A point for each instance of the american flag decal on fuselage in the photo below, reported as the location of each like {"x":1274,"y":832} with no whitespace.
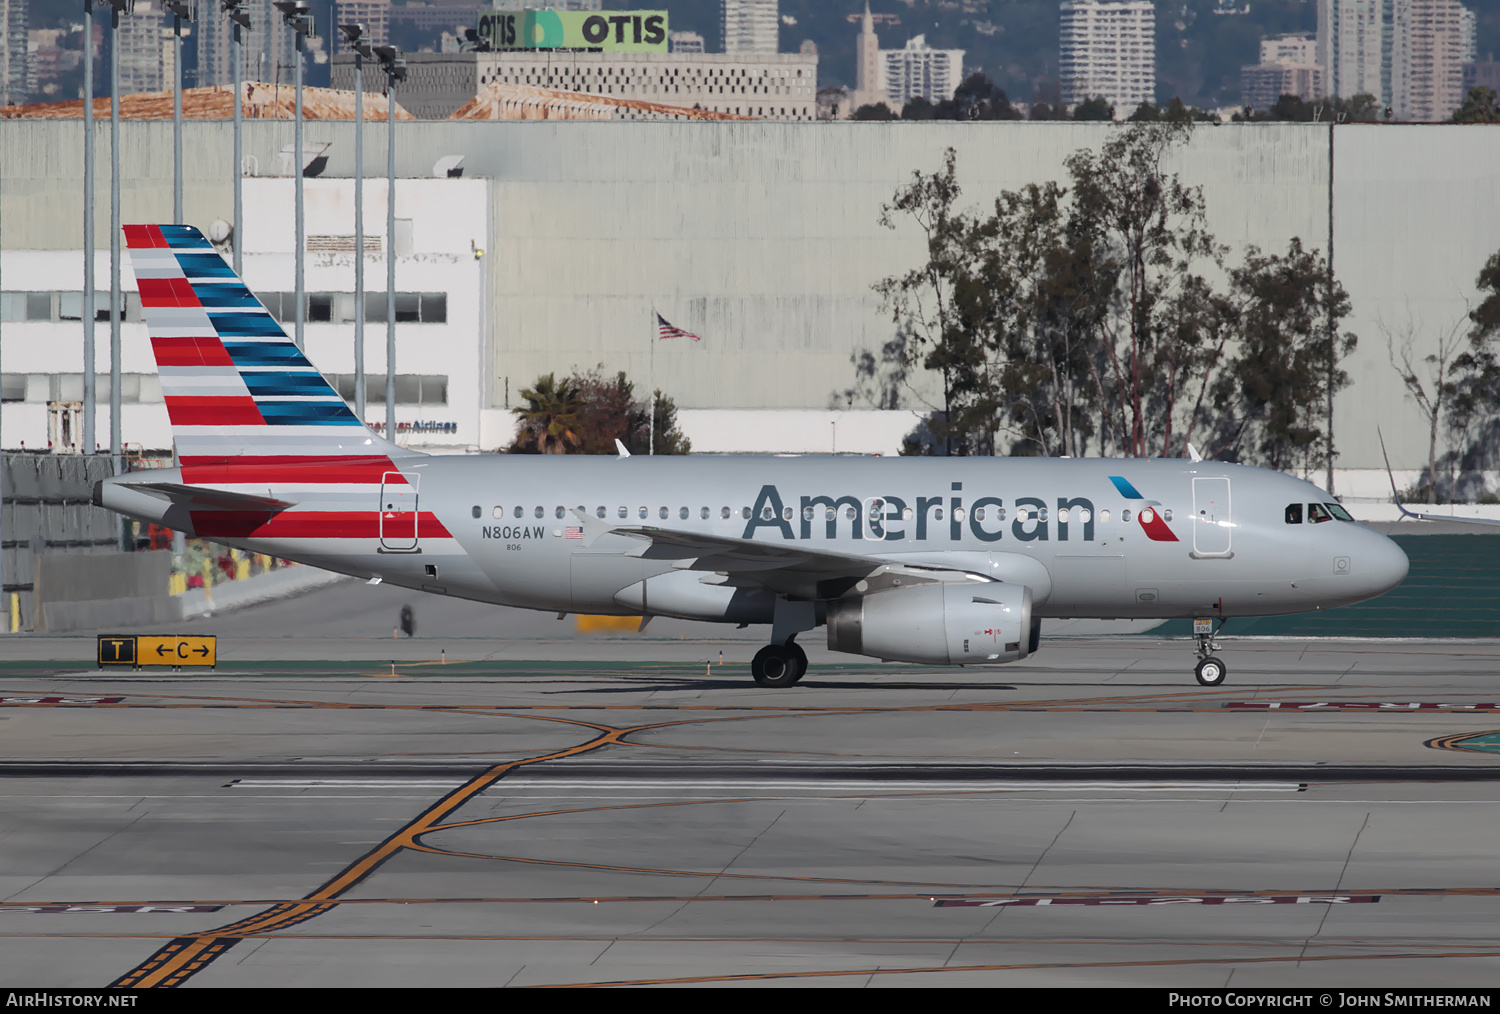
{"x":250,"y":414}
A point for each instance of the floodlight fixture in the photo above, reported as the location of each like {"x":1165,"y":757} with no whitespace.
{"x":391,"y":62}
{"x":183,"y":9}
{"x":298,"y":15}
{"x":237,"y":12}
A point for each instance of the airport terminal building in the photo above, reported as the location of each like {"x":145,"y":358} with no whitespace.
{"x":762,"y":237}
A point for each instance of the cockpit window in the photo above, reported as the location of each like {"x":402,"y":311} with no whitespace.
{"x":1294,"y":513}
{"x":1338,"y":512}
{"x":1317,"y":513}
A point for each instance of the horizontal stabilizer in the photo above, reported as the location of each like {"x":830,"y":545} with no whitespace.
{"x":210,"y":499}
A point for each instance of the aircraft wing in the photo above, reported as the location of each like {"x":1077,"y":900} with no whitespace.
{"x":794,"y":569}
{"x":211,"y":499}
{"x":1444,"y":517}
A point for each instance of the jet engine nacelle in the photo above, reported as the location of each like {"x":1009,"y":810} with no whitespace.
{"x":959,"y":623}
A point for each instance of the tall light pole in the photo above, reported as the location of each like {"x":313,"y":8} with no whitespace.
{"x":240,"y":19}
{"x":395,"y":70}
{"x":116,"y":301}
{"x":300,"y":20}
{"x":182,"y":10}
{"x":354,"y":35}
{"x":90,"y":314}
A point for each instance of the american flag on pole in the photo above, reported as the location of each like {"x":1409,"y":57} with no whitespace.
{"x":665,"y":330}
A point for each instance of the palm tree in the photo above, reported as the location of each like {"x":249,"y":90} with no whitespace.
{"x":550,"y":420}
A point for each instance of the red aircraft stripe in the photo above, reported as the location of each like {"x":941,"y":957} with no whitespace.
{"x":1156,"y":529}
{"x":310,"y":525}
{"x":298,"y":472}
{"x":281,"y":459}
{"x":213,"y":412}
{"x":167,"y":292}
{"x":205,"y":351}
{"x":144,"y":237}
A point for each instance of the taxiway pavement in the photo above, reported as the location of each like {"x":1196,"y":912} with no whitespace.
{"x":1087,"y":817}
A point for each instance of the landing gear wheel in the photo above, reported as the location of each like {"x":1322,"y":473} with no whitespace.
{"x":1211,"y":672}
{"x":776,"y":665}
{"x":799,"y":657}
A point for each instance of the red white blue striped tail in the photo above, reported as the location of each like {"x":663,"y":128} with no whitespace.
{"x":237,"y":389}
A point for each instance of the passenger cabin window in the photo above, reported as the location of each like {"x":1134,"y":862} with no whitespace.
{"x":662,"y":513}
{"x":477,"y":511}
{"x":498,"y":513}
{"x":520,"y":512}
{"x":1294,"y":513}
{"x":562,"y":512}
{"x":540,"y":512}
{"x":600,"y":513}
{"x":1317,"y":514}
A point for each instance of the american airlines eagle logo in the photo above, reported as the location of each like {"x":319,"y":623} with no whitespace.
{"x":1150,"y":518}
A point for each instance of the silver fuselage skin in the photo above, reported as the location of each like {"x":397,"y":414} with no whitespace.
{"x":1219,"y":544}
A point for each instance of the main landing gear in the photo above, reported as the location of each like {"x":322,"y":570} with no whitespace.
{"x":1210,"y":671}
{"x":779,"y":665}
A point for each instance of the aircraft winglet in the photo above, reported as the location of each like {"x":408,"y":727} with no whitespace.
{"x":1396,"y":496}
{"x":621,"y":448}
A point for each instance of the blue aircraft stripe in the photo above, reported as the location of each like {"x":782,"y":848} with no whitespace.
{"x":246,"y":325}
{"x":184,"y":237}
{"x":252,"y":353}
{"x":233,"y":296}
{"x":1125,"y":488}
{"x":306,"y":413}
{"x":286,"y":384}
{"x":209,"y":265}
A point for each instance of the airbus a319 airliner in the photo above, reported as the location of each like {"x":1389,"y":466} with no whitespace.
{"x":936,"y":561}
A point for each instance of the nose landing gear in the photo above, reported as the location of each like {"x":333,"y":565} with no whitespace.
{"x":1210,"y":670}
{"x":779,"y":665}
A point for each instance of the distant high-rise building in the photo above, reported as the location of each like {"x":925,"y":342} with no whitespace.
{"x":1469,"y":20}
{"x":146,"y":52}
{"x":267,"y":52}
{"x":1293,"y":50}
{"x":1427,"y":57}
{"x":918,"y":70}
{"x":751,"y":26}
{"x":869,"y":70}
{"x":1482,"y":75}
{"x":1288,"y":66}
{"x":685,"y":42}
{"x":375,"y":15}
{"x":1354,"y":47}
{"x":1108,"y":50}
{"x":1262,"y":85}
{"x":16,"y":81}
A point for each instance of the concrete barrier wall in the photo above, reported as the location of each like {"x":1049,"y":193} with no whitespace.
{"x":85,"y":591}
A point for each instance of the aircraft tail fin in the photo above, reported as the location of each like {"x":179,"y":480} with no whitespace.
{"x":238,"y":390}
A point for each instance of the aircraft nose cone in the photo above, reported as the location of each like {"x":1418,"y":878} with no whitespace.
{"x":1383,"y":564}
